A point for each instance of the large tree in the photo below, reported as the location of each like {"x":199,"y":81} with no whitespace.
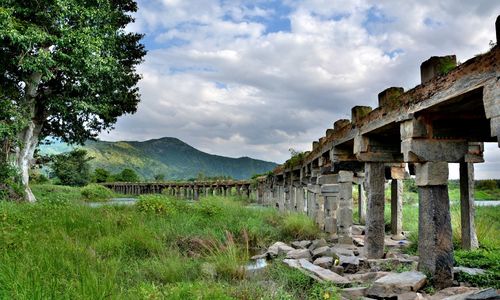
{"x":69,"y":66}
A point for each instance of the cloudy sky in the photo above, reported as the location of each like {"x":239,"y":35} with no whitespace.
{"x":256,"y":78}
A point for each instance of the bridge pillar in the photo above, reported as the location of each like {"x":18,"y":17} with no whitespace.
{"x":435,"y":245}
{"x":375,"y":226}
{"x":397,"y":209}
{"x":196,"y":193}
{"x":467,"y":210}
{"x":344,"y":213}
{"x":224,"y":191}
{"x":299,"y":199}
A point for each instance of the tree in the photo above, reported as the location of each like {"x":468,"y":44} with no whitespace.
{"x":72,"y":168}
{"x":127,"y":175}
{"x":101,"y":175}
{"x":67,"y":69}
{"x":159,"y":177}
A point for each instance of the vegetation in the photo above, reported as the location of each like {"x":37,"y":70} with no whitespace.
{"x":296,"y":159}
{"x":67,"y":70}
{"x":96,"y":192}
{"x":160,"y":248}
{"x":72,"y":168}
{"x":126,"y":175}
{"x":168,"y":156}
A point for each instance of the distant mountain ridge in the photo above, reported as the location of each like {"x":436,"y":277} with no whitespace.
{"x":168,"y":156}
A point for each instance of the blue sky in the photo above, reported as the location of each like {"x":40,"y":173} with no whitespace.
{"x":256,"y":78}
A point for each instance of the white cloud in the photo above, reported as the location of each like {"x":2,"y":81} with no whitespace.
{"x":233,"y":88}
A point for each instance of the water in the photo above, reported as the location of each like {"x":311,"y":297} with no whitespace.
{"x":487,"y":203}
{"x":258,"y":264}
{"x":114,"y":201}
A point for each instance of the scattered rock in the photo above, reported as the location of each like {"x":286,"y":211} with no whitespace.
{"x":277,"y":249}
{"x":354,"y":293}
{"x":322,"y":273}
{"x":322,"y":251}
{"x":337,"y":269}
{"x":301,"y":244}
{"x":358,"y":241}
{"x":390,"y":264}
{"x":343,"y":250}
{"x":490,"y":293}
{"x":469,"y":271}
{"x":456,"y":292}
{"x":208,"y":270}
{"x":397,"y":283}
{"x":260,"y":256}
{"x":318,"y":244}
{"x":299,"y":253}
{"x":357,"y":230}
{"x":411,"y":296}
{"x":366,"y":277}
{"x":324,"y":262}
{"x":293,"y":263}
{"x":349,"y":263}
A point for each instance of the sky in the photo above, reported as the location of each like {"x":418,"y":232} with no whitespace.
{"x":258,"y":78}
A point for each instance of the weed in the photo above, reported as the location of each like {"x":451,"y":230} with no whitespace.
{"x":96,"y":192}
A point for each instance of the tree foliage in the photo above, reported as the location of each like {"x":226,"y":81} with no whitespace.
{"x":72,"y":168}
{"x":127,"y":175}
{"x":67,"y":69}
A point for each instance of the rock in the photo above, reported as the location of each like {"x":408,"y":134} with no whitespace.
{"x":294,"y":263}
{"x":337,"y":269}
{"x":318,"y":244}
{"x":456,"y":292}
{"x":397,"y":283}
{"x":490,"y":293}
{"x":301,"y":244}
{"x":343,"y":250}
{"x":349,"y":263}
{"x":322,"y":251}
{"x":260,"y":256}
{"x":324,"y":262}
{"x":358,"y":241}
{"x":358,"y":230}
{"x":323,"y":274}
{"x":411,"y":296}
{"x":278,"y":248}
{"x":354,"y":293}
{"x":299,"y":253}
{"x":390,"y":264}
{"x":469,"y":271}
{"x":366,"y":277}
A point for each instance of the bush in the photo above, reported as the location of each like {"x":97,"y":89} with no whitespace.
{"x":489,"y":184}
{"x":299,"y":227}
{"x":96,"y":192}
{"x":101,"y":175}
{"x":72,"y":168}
{"x":156,"y":204}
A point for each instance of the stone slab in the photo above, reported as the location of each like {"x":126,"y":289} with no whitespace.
{"x":397,"y":283}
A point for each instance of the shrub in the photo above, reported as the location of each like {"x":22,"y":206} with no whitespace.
{"x":298,"y":226}
{"x":101,"y":175}
{"x":489,"y":184}
{"x":72,"y":168}
{"x":96,"y":192}
{"x":209,"y":207}
{"x":156,"y":204}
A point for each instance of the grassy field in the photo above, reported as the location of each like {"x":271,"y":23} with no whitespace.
{"x":160,"y":248}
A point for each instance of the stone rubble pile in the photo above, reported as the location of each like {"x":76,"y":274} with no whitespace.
{"x":362,"y":278}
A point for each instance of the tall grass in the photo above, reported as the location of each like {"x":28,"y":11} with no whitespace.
{"x":65,"y":250}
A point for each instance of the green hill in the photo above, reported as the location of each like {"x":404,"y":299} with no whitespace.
{"x":169,"y":156}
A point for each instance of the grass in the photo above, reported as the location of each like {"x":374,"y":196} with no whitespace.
{"x":61,"y":249}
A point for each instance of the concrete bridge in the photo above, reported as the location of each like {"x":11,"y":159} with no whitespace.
{"x":446,"y":119}
{"x":187,"y":190}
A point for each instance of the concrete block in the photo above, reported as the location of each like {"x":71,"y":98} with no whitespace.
{"x":389,"y":97}
{"x":345,"y":176}
{"x":436,"y":66}
{"x":313,"y":188}
{"x":330,"y":188}
{"x":327,"y":179}
{"x":431,"y":173}
{"x":359,"y":112}
{"x":339,"y":124}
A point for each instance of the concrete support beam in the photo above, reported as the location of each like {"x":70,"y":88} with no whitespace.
{"x":344,"y":212}
{"x":375,"y":234}
{"x":467,"y":210}
{"x":397,"y":209}
{"x":359,"y":112}
{"x":434,"y":227}
{"x":389,"y":97}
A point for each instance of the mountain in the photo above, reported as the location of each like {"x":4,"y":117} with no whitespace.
{"x":169,"y":156}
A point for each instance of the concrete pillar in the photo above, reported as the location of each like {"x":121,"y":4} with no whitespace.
{"x":375,"y":227}
{"x":344,"y":212}
{"x":361,"y":204}
{"x":467,"y":210}
{"x":299,"y":199}
{"x":435,"y":245}
{"x":224,"y":191}
{"x":281,"y":198}
{"x":238,"y":190}
{"x":397,"y":209}
{"x":320,"y":211}
{"x":311,"y":201}
{"x":196,"y":193}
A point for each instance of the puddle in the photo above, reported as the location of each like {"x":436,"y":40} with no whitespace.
{"x":256,"y":264}
{"x":113,"y":201}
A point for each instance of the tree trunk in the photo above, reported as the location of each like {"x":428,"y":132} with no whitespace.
{"x":28,"y":137}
